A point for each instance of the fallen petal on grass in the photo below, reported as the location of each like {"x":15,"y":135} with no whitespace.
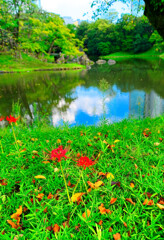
{"x":113,"y":200}
{"x":148,"y":202}
{"x":76,"y":197}
{"x":95,"y":185}
{"x":40,"y":177}
{"x":86,"y":215}
{"x":117,"y":236}
{"x":130,"y":200}
{"x":160,"y":206}
{"x":110,"y":176}
{"x":56,"y":228}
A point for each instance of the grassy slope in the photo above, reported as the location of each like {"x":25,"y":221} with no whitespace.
{"x":149,"y":53}
{"x":133,"y":159}
{"x":28,"y":63}
{"x":162,"y":56}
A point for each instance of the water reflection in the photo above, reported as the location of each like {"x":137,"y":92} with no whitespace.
{"x":87,"y":107}
{"x":143,"y":104}
{"x":136,"y":89}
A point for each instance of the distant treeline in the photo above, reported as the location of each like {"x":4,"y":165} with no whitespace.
{"x":25,"y":27}
{"x":130,"y":34}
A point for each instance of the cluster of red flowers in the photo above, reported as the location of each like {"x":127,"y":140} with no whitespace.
{"x":85,"y":162}
{"x":9,"y":119}
{"x":58,"y":153}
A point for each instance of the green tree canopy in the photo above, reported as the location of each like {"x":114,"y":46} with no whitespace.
{"x":23,"y":26}
{"x":130,"y":34}
{"x":154,"y":10}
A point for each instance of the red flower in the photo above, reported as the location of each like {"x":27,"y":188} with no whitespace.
{"x":58,"y":153}
{"x":3,"y":182}
{"x":85,"y":162}
{"x":1,"y":118}
{"x":11,"y":119}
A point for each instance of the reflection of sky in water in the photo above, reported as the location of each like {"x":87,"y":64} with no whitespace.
{"x":135,"y":89}
{"x":88,"y":107}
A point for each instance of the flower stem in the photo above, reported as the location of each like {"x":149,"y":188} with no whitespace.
{"x":84,"y":182}
{"x":77,"y":183}
{"x":65,"y":182}
{"x":1,"y":146}
{"x":15,"y":139}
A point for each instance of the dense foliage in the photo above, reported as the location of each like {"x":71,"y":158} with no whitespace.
{"x":154,"y":10}
{"x":23,"y":26}
{"x":130,"y":34}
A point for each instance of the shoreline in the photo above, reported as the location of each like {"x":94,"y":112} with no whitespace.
{"x":151,"y":53}
{"x":136,"y":56}
{"x":43,"y":69}
{"x":9,"y":64}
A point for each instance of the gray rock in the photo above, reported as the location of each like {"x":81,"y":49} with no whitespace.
{"x":111,"y":62}
{"x":61,"y":59}
{"x":88,"y":67}
{"x":100,"y":61}
{"x":83,"y":60}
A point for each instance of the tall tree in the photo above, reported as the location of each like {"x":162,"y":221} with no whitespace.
{"x":23,"y":26}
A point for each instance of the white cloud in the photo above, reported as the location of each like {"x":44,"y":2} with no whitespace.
{"x":89,"y":101}
{"x":73,"y":8}
{"x":77,"y":8}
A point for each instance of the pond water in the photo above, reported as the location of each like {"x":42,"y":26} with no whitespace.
{"x":134,"y":88}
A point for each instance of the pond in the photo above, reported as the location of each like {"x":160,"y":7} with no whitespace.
{"x":130,"y":88}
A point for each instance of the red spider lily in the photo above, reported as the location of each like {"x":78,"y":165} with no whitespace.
{"x":11,"y":119}
{"x":1,"y":118}
{"x":85,"y":162}
{"x":58,"y":153}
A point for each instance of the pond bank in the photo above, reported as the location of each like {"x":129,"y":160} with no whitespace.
{"x":9,"y":64}
{"x":127,"y":173}
{"x":120,"y":55}
{"x":46,"y":69}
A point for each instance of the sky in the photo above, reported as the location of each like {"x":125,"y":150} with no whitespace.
{"x":76,"y":8}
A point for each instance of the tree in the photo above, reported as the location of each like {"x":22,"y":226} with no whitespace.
{"x":48,"y":34}
{"x":158,"y":41}
{"x":12,"y":13}
{"x":130,"y":34}
{"x":154,"y":10}
{"x":23,"y":26}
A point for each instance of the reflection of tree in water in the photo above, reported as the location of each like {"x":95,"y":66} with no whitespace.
{"x":130,"y":74}
{"x":43,"y":89}
{"x":106,"y":88}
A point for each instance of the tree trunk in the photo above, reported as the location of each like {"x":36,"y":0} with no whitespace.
{"x":51,"y":46}
{"x":17,"y":18}
{"x":2,"y":40}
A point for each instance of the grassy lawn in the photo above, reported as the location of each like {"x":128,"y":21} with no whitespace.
{"x":120,"y":195}
{"x":150,"y":53}
{"x":28,"y":63}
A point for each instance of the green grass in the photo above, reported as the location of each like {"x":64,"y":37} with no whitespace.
{"x":121,"y":149}
{"x":28,"y":63}
{"x":149,"y":53}
{"x":162,"y":56}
